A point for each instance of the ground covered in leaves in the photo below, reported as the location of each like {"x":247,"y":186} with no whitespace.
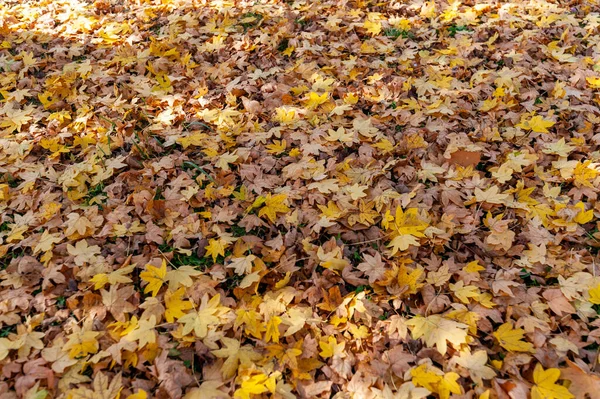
{"x":335,"y":199}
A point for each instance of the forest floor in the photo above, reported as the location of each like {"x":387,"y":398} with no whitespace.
{"x":313,"y":199}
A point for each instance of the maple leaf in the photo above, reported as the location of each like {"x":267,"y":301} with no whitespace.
{"x":511,"y":338}
{"x":463,"y":293}
{"x":140,"y":394}
{"x":435,"y":381}
{"x":143,"y":332}
{"x":225,"y":160}
{"x":372,"y":27}
{"x":593,"y":81}
{"x":277,"y":148}
{"x":234,"y":355}
{"x":14,"y":119}
{"x":314,"y":99}
{"x":272,"y":332}
{"x":175,"y":306}
{"x":82,"y":343}
{"x":536,"y":123}
{"x":402,"y":242}
{"x":273,"y":205}
{"x":594,"y":294}
{"x":5,"y":347}
{"x":101,"y":389}
{"x":216,"y":247}
{"x":242,"y":265}
{"x":83,"y":253}
{"x":155,"y":277}
{"x":207,"y":390}
{"x":118,"y":276}
{"x":56,"y":355}
{"x":492,"y":195}
{"x":584,"y":383}
{"x":255,"y":385}
{"x":46,"y":242}
{"x":373,"y":267}
{"x":285,"y":115}
{"x":331,"y":348}
{"x":437,"y":331}
{"x":182,"y":276}
{"x":208,"y":314}
{"x":545,"y":384}
{"x":27,"y":340}
{"x":475,"y":363}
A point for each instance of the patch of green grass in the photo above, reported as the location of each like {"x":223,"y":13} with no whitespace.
{"x":238,"y":231}
{"x":361,"y":288}
{"x":10,"y":255}
{"x":283,"y":45}
{"x":527,"y":278}
{"x":6,"y":331}
{"x":180,"y":259}
{"x":232,"y":281}
{"x":394,"y":33}
{"x":96,"y":194}
{"x":191,"y":260}
{"x":61,"y":301}
{"x":301,"y":21}
{"x":251,"y":23}
{"x":356,"y":256}
{"x":454,"y":29}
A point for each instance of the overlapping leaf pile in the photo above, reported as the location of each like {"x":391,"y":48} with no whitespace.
{"x":299,"y":199}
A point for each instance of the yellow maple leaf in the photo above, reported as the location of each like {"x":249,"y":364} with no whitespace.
{"x":372,"y":27}
{"x":314,"y":99}
{"x":422,"y":376}
{"x":273,"y":205}
{"x":583,"y":216}
{"x":82,"y":343}
{"x":140,"y":394}
{"x":278,"y":147}
{"x":437,"y":331}
{"x":409,"y":279}
{"x":331,"y":348}
{"x":235,"y":354}
{"x":594,"y":82}
{"x":208,"y":314}
{"x":473,"y":267}
{"x":143,"y":332}
{"x":272,"y":333}
{"x":511,"y":339}
{"x":285,"y":115}
{"x":402,"y":242}
{"x":46,"y":242}
{"x":536,"y":123}
{"x":594,"y":294}
{"x":216,"y":247}
{"x":182,"y":276}
{"x":464,"y":292}
{"x":118,"y":276}
{"x":6,"y":346}
{"x":255,"y":385}
{"x":175,"y":305}
{"x":409,"y":222}
{"x":435,"y":380}
{"x":155,"y":277}
{"x":545,"y":384}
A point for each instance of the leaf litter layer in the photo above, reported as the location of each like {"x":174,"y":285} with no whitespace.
{"x":299,"y":199}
